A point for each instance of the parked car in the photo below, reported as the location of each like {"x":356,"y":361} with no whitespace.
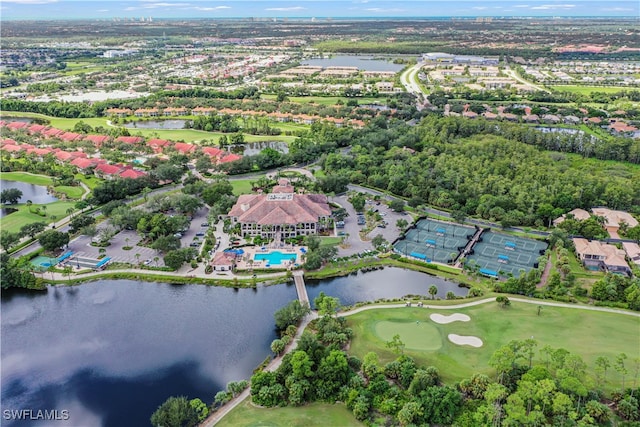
{"x":199,"y":234}
{"x":147,"y":262}
{"x":204,"y":224}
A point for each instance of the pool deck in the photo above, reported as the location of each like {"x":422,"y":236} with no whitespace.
{"x":248,"y":262}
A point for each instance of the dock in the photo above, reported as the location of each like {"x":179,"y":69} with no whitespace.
{"x":298,"y":279}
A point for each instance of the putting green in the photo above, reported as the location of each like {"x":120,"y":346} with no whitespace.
{"x":415,"y":336}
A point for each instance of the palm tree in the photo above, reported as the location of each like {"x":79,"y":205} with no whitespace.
{"x":156,"y":259}
{"x":53,"y":218}
{"x":29,"y":203}
{"x":433,"y":290}
{"x":138,"y":258}
{"x":44,"y":209}
{"x":70,"y":211}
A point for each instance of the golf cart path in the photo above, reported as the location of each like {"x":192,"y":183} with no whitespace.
{"x":488,"y":300}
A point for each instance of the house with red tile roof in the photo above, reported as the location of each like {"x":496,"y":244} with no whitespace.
{"x":203,"y":111}
{"x":229,"y":157}
{"x":8,"y":141}
{"x":97,"y":140}
{"x":622,"y":127}
{"x":36,"y":128}
{"x":184,"y":148}
{"x":52,"y":133}
{"x":130,"y":139}
{"x":83,"y":164}
{"x":146,"y":112}
{"x":40,"y":152}
{"x":175,"y":111}
{"x":12,"y":148}
{"x":280,"y":215}
{"x":17,"y":125}
{"x":212,"y":152}
{"x":132,"y":174}
{"x":108,"y":171}
{"x":71,"y":136}
{"x":158,"y":144}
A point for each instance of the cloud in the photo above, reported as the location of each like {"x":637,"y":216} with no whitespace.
{"x":30,"y":1}
{"x":522,"y":6}
{"x":209,"y":9}
{"x":382,"y":10}
{"x":102,"y":10}
{"x":479,"y":8}
{"x":553,"y":6}
{"x":286,"y":9}
{"x":618,"y":9}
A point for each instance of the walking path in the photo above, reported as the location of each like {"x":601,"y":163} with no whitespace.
{"x":272,"y":366}
{"x":488,"y":300}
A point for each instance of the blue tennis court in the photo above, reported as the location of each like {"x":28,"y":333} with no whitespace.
{"x":434,"y":241}
{"x":500,"y":254}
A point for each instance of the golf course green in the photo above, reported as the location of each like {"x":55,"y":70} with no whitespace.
{"x":422,"y":336}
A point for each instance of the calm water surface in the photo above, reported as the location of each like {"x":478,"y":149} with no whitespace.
{"x":110,"y":352}
{"x":36,"y":193}
{"x":364,"y":63}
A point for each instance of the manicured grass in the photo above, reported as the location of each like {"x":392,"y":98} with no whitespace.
{"x":421,"y":336}
{"x":313,"y":415}
{"x":14,"y":221}
{"x":241,"y":186}
{"x":586,"y":90}
{"x":71,"y":192}
{"x":28,"y":178}
{"x":586,"y":333}
{"x":328,"y":100}
{"x":191,"y":135}
{"x":91,"y":182}
{"x":330,"y":241}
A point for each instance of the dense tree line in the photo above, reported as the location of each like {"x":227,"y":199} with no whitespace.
{"x":119,"y":189}
{"x":15,"y":273}
{"x":553,"y":389}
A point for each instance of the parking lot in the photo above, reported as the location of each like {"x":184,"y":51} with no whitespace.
{"x":390,"y":232}
{"x":195,"y":228}
{"x":81,"y":246}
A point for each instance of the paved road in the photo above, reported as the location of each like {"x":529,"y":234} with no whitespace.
{"x":408,"y":79}
{"x":509,"y":72}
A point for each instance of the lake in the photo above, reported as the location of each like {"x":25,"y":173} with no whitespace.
{"x":156,"y":124}
{"x":111,"y":351}
{"x":253,"y":148}
{"x":38,"y":194}
{"x":364,"y":63}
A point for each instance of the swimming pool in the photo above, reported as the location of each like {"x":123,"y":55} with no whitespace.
{"x":275,"y":257}
{"x":43,"y":261}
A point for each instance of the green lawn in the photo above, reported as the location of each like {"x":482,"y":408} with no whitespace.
{"x":328,"y":100}
{"x":313,"y":415}
{"x":586,"y":333}
{"x":28,"y":178}
{"x":70,"y":192}
{"x":330,"y":241}
{"x":14,"y":221}
{"x":586,"y":90}
{"x":91,"y":182}
{"x":241,"y":186}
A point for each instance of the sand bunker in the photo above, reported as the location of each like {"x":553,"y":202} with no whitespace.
{"x":465,"y":340}
{"x":443,"y":320}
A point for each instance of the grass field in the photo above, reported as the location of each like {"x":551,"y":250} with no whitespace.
{"x":313,"y":415}
{"x":328,"y":100}
{"x":91,"y":182}
{"x":14,"y":221}
{"x":241,"y":186}
{"x":586,"y":90}
{"x":421,"y":336}
{"x":330,"y":241}
{"x":28,"y":178}
{"x":586,"y":333}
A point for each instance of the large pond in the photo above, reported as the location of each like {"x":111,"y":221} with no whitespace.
{"x":156,"y":124}
{"x":111,"y":351}
{"x":364,"y":63}
{"x":38,"y":194}
{"x":253,"y":148}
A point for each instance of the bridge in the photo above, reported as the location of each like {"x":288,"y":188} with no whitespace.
{"x":301,"y":289}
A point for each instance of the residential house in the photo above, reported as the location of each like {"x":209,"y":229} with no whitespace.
{"x":633,"y":252}
{"x":119,"y":112}
{"x":108,"y":171}
{"x":184,"y":148}
{"x":97,"y":140}
{"x":175,"y":111}
{"x":551,"y":119}
{"x":71,"y":136}
{"x":578,"y":214}
{"x":602,"y":256}
{"x":613,"y":219}
{"x":132,"y":140}
{"x":132,"y":174}
{"x":146,"y":112}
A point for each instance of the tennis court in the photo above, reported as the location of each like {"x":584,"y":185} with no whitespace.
{"x":500,"y":254}
{"x":434,"y":241}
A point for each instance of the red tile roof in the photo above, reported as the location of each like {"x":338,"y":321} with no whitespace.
{"x":212,"y":151}
{"x":130,"y":139}
{"x":83,"y":163}
{"x":131,"y":173}
{"x":184,"y":148}
{"x":36,"y":128}
{"x":12,"y":148}
{"x":108,"y":169}
{"x":262,"y":209}
{"x":71,"y":136}
{"x":97,"y":140}
{"x":51,"y":132}
{"x":230,"y":158}
{"x":17,"y":125}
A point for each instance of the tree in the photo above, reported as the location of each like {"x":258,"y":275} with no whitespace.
{"x":290,"y":314}
{"x":81,"y":221}
{"x":52,"y":240}
{"x":175,"y":412}
{"x":277,"y":346}
{"x":326,"y":305}
{"x":379,"y":242}
{"x":433,"y":290}
{"x":396,"y":205}
{"x":602,"y":364}
{"x":15,"y":273}
{"x":32,"y":229}
{"x":396,"y":345}
{"x":620,"y":367}
{"x":8,"y":239}
{"x":503,"y":301}
{"x":401,"y":224}
{"x":10,"y":196}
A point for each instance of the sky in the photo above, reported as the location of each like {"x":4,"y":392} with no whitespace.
{"x":109,"y":9}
